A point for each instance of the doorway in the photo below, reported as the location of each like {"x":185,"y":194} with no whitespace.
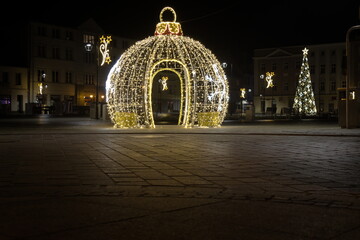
{"x":20,"y":103}
{"x":166,"y":98}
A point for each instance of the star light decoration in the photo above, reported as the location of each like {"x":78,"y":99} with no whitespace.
{"x":304,"y":101}
{"x":104,"y":49}
{"x":204,"y":92}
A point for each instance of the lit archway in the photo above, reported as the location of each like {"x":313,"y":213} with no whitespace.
{"x":181,"y":71}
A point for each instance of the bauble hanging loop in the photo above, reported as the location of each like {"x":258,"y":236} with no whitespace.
{"x":168,"y":28}
{"x":171,"y":10}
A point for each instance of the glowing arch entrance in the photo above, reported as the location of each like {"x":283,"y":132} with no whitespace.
{"x":182,"y":73}
{"x":166,"y":99}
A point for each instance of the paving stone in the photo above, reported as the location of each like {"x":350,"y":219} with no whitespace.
{"x":278,"y":180}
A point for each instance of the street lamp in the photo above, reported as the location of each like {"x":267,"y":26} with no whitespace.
{"x":88,"y":47}
{"x":103,"y":51}
{"x":348,"y":74}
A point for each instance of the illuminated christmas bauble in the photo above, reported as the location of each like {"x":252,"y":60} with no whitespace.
{"x":203,"y":83}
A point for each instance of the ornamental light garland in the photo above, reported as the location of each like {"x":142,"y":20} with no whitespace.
{"x":204,"y":92}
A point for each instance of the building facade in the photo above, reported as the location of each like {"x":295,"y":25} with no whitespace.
{"x":327,"y":73}
{"x":13,"y":89}
{"x":61,"y":73}
{"x":67,"y":72}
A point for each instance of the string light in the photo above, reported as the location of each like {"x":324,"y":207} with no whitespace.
{"x":163,"y":81}
{"x":104,"y":49}
{"x":269,"y":80}
{"x":304,"y":101}
{"x":203,"y":83}
{"x":40,"y":85}
{"x":242,"y":92}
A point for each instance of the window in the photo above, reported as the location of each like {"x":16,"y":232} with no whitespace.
{"x":333,"y":86}
{"x":18,"y":79}
{"x":322,"y":86}
{"x":5,"y":99}
{"x":41,"y":75}
{"x":322,"y":69}
{"x":5,"y":79}
{"x":55,"y":76}
{"x":68,"y":77}
{"x":89,"y":79}
{"x":263,"y":67}
{"x":333,"y":68}
{"x":69,"y":35}
{"x":41,"y":50}
{"x":69,"y":54}
{"x":89,"y":38}
{"x":89,"y":57}
{"x":56,"y":53}
{"x":56,"y":33}
{"x":42,"y":31}
{"x":274,"y":67}
{"x":343,"y":84}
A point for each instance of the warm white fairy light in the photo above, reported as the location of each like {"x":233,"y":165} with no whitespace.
{"x":163,"y":81}
{"x":269,"y":79}
{"x":40,"y":88}
{"x":242,"y":92}
{"x":304,"y":101}
{"x":352,"y":95}
{"x":104,"y":50}
{"x":203,"y":83}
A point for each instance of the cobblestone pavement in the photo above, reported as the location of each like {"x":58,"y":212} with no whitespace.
{"x":148,"y":185}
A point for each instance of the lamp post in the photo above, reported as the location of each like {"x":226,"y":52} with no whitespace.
{"x":103,"y":51}
{"x":348,"y":72}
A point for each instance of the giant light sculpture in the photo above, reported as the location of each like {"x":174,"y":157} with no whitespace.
{"x":203,"y":83}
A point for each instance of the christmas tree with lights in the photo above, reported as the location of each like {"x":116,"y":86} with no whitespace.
{"x":304,"y":101}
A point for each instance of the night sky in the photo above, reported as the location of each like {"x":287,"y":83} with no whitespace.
{"x":231,"y":30}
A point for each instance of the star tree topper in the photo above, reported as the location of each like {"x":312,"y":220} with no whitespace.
{"x":305,"y":51}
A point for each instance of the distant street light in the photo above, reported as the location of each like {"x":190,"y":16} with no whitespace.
{"x":103,"y":49}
